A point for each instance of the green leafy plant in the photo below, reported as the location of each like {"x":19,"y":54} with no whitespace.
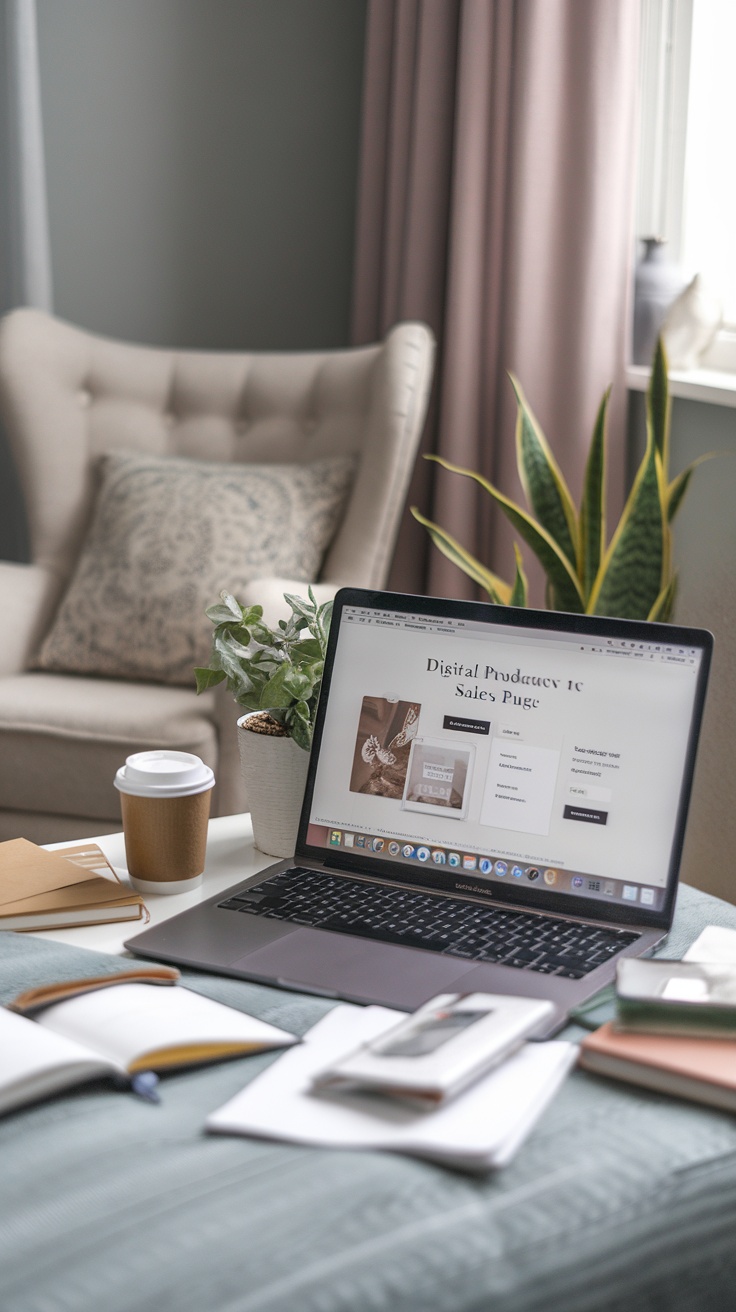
{"x":277,"y":671}
{"x":631,"y":576}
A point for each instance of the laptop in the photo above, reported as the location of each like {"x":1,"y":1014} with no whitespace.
{"x":496,"y":802}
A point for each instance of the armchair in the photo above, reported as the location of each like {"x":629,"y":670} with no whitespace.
{"x":68,"y":397}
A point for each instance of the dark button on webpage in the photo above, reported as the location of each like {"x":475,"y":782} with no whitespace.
{"x":584,"y":813}
{"x":466,"y":726}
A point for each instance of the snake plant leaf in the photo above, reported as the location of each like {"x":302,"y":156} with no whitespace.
{"x":666,"y":530}
{"x":631,"y":573}
{"x":542,"y":480}
{"x":658,"y":404}
{"x":553,"y":560}
{"x":520,"y":589}
{"x":676,"y":491}
{"x":679,"y":485}
{"x":498,"y":591}
{"x":593,"y":505}
{"x":665,"y":603}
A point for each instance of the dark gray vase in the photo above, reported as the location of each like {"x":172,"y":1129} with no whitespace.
{"x":657,"y":284}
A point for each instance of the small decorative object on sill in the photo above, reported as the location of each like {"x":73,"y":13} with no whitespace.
{"x":630,"y":575}
{"x":691,"y":324}
{"x":276,"y":675}
{"x":657,"y":284}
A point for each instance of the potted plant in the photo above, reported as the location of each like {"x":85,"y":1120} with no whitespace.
{"x":275,"y":674}
{"x":632,"y":575}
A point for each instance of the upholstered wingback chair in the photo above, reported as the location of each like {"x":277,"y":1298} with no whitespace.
{"x":67,"y":397}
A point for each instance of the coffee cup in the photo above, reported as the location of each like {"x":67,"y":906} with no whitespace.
{"x":165,"y":800}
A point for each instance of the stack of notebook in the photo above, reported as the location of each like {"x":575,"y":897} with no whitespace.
{"x":53,"y":890}
{"x":675,"y":1032}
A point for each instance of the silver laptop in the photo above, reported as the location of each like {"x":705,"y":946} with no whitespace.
{"x":496,"y":802}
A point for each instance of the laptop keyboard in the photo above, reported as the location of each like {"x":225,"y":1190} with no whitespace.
{"x":416,"y":919}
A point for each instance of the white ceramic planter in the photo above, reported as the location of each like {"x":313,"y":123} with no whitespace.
{"x":275,"y":776}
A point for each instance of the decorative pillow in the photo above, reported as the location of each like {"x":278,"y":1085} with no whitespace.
{"x":167,"y":535}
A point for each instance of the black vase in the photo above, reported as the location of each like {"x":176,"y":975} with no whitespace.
{"x":657,"y":284}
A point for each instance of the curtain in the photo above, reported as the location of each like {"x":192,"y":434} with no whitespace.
{"x":495,"y":203}
{"x":25,"y":259}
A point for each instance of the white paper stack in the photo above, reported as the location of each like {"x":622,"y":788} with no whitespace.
{"x":480,"y":1129}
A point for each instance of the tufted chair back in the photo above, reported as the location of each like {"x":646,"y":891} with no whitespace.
{"x":69,"y":396}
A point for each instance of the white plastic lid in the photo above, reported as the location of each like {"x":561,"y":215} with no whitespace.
{"x":164,"y":774}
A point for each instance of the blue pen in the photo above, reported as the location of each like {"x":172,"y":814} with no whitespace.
{"x":145,"y":1085}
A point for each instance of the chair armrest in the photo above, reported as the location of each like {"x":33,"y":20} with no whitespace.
{"x":27,"y":596}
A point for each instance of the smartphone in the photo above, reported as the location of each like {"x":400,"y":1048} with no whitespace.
{"x":440,"y":1049}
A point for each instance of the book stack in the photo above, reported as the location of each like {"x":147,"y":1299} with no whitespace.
{"x":675,"y":1024}
{"x":55,"y":890}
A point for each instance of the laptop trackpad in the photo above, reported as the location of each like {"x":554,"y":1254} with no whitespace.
{"x":353,"y":968}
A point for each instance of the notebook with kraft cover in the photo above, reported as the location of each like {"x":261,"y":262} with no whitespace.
{"x":496,"y":802}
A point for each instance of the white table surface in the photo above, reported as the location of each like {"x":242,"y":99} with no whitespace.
{"x":231,"y":857}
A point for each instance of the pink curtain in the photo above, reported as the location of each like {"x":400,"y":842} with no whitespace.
{"x":495,"y":203}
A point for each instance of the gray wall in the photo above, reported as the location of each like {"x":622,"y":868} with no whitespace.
{"x":705,"y":553}
{"x":202,"y":167}
{"x":202,"y":159}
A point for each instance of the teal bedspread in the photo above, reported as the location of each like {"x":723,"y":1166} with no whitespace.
{"x":620,"y":1199}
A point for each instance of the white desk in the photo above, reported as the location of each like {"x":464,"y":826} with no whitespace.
{"x":231,"y":856}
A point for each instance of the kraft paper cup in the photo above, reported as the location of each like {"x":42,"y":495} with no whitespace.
{"x":165,"y":800}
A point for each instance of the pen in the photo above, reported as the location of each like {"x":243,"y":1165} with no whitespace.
{"x":143,"y":1083}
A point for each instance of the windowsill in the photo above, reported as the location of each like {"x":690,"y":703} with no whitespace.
{"x":714,"y":386}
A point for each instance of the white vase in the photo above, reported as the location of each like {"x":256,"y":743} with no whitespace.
{"x":275,"y":776}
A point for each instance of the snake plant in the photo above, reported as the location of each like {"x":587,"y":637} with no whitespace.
{"x":632,"y":575}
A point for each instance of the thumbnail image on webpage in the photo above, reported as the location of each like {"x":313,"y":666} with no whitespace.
{"x":391,"y":760}
{"x":438,"y":778}
{"x":386,"y":729}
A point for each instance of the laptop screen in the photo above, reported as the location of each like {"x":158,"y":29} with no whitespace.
{"x":529,"y":756}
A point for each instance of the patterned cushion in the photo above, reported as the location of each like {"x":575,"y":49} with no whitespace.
{"x":166,"y":536}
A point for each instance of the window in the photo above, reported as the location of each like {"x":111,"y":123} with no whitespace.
{"x":687,"y":182}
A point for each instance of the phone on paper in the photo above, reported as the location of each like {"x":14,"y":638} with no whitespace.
{"x":440,"y":1049}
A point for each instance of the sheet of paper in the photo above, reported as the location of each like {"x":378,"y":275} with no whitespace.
{"x":479,"y":1129}
{"x":26,"y":869}
{"x":715,"y":945}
